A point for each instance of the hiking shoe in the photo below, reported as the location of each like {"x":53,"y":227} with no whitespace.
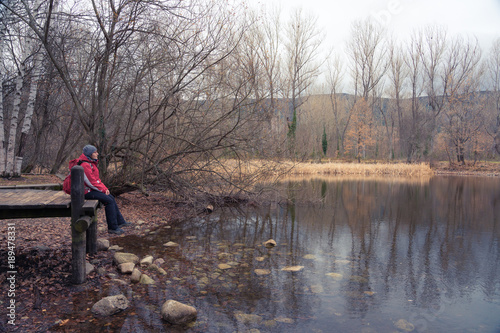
{"x":116,"y":231}
{"x":126,"y":224}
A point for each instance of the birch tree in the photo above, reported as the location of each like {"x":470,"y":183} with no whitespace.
{"x":24,"y":50}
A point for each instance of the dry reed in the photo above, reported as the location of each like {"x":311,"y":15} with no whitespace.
{"x":289,"y":168}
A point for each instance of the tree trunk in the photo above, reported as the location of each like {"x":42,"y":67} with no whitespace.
{"x":30,"y":108}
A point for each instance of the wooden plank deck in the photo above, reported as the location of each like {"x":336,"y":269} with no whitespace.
{"x":28,"y":203}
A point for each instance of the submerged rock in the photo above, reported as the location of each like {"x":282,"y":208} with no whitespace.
{"x":110,"y":305}
{"x":170,"y":244}
{"x":292,"y":268}
{"x":336,"y":276}
{"x":284,"y":320}
{"x":358,"y":279}
{"x":262,"y":271}
{"x":248,"y":319}
{"x":178,"y":313}
{"x":310,"y":257}
{"x":404,"y":325}
{"x":317,"y":289}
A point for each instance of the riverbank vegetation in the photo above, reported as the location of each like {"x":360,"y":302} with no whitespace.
{"x":170,"y":91}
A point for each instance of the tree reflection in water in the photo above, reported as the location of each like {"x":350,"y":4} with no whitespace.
{"x":378,"y":256}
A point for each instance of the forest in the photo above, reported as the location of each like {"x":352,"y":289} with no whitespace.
{"x":170,"y":90}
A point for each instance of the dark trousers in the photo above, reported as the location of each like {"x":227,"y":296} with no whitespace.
{"x":113,"y":216}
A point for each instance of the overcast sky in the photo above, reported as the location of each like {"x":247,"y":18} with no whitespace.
{"x":480,"y":18}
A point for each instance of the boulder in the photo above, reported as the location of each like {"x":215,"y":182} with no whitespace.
{"x":121,"y":258}
{"x":110,"y":305}
{"x":177,"y":313}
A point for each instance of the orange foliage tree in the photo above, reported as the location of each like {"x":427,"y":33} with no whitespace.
{"x":359,"y":135}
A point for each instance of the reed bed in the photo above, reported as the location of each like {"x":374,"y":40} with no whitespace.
{"x":375,"y":169}
{"x":289,"y":168}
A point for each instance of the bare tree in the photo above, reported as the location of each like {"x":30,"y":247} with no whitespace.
{"x":334,"y":79}
{"x":493,"y":67}
{"x":302,"y":45}
{"x":393,"y":114}
{"x":366,"y":55}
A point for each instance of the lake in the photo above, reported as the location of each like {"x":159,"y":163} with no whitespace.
{"x":351,"y":255}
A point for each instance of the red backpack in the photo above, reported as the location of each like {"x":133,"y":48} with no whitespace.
{"x":67,"y":180}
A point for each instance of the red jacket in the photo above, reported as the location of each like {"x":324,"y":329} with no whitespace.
{"x":91,"y":178}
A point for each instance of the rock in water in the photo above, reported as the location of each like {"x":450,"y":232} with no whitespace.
{"x":270,"y":243}
{"x":110,"y":305}
{"x":261,"y":272}
{"x":177,"y":313}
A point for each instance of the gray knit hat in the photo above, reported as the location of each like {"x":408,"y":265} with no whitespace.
{"x":89,"y":150}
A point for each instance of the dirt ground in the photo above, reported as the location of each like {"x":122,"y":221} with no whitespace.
{"x":43,"y":250}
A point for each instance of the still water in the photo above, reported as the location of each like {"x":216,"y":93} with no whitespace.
{"x":373,"y":255}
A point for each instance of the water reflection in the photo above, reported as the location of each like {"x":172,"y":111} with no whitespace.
{"x":377,"y":256}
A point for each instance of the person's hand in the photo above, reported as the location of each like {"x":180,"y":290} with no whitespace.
{"x":107,"y":192}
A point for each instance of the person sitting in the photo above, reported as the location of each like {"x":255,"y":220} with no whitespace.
{"x":94,"y":189}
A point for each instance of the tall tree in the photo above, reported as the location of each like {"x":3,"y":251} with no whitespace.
{"x":302,"y":46}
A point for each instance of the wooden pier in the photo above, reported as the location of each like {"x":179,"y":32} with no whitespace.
{"x":40,"y":201}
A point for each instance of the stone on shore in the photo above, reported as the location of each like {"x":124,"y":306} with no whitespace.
{"x":146,"y":261}
{"x":126,"y":267}
{"x":122,"y":257}
{"x":136,"y":276}
{"x":146,"y":279}
{"x":102,"y":244}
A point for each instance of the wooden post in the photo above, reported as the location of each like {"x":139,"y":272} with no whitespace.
{"x":92,"y":236}
{"x":78,"y":239}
